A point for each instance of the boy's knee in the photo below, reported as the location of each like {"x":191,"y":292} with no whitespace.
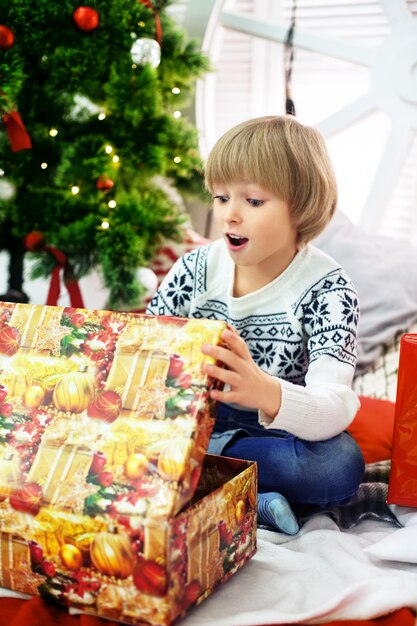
{"x":348,"y":474}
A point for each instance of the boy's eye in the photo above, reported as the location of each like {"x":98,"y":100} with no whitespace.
{"x":254,"y":202}
{"x":221,"y":199}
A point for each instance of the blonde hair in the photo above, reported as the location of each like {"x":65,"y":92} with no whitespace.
{"x":285,"y":157}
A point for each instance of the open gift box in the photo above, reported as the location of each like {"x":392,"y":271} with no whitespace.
{"x":108,"y":500}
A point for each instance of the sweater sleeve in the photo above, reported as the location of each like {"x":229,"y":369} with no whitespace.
{"x":323,"y":408}
{"x":326,"y":404}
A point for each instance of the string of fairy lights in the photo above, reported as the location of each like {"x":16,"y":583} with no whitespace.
{"x":109,"y":149}
{"x":144,"y":50}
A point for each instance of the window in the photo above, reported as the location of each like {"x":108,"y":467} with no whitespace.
{"x":354,"y":77}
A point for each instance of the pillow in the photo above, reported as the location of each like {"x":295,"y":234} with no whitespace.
{"x":384,"y":271}
{"x":372,"y":428}
{"x":381,"y":380}
{"x":401,"y":545}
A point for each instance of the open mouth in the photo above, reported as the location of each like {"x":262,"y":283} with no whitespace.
{"x":236,"y":241}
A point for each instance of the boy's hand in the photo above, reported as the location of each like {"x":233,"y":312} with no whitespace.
{"x":249,"y":385}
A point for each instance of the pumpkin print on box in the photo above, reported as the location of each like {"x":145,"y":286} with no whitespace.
{"x":112,"y":554}
{"x":74,"y":391}
{"x":174,"y":458}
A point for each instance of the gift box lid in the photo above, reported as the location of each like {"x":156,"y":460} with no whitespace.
{"x":101,"y":413}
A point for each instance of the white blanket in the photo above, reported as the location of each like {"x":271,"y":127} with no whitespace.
{"x":320,"y":575}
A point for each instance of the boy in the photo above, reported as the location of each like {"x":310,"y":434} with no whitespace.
{"x":289,"y":366}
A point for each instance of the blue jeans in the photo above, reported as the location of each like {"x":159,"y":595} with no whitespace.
{"x":320,"y":473}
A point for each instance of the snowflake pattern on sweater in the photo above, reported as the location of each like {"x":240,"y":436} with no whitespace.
{"x":310,"y":311}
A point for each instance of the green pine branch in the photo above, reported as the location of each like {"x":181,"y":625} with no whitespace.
{"x":60,"y":78}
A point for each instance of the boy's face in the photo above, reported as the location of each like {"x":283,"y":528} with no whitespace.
{"x":257,"y":229}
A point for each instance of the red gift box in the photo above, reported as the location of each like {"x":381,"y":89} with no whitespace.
{"x":403,"y":477}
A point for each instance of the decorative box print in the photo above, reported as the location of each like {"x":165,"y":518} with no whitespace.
{"x":108,"y":501}
{"x":135,"y":373}
{"x":14,"y":556}
{"x":59,"y":471}
{"x":15,"y":563}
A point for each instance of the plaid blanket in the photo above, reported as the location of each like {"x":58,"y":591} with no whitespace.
{"x":369,"y":503}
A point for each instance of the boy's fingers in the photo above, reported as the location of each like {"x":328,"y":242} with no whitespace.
{"x":236,"y":347}
{"x":220,"y":373}
{"x":235,"y":343}
{"x":224,"y":396}
{"x":220,"y":396}
{"x":224,"y":355}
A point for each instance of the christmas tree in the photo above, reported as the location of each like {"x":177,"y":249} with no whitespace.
{"x":90,"y":99}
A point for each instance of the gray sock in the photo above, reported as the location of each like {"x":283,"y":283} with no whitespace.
{"x":274,"y":511}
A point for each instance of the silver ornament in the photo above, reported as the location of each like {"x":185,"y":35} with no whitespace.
{"x":7,"y":189}
{"x":145,"y":50}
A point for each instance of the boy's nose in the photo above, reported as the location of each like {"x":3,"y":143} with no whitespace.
{"x":232,"y":213}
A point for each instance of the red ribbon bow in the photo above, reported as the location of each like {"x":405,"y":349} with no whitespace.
{"x":70,"y":283}
{"x":35,"y":242}
{"x":18,"y":136}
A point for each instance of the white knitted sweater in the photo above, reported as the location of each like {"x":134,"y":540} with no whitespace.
{"x":301,"y":327}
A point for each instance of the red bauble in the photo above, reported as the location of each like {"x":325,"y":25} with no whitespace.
{"x":28,"y":499}
{"x":150,"y":577}
{"x":104,"y":184}
{"x":106,"y":406}
{"x":9,"y":340}
{"x":34,"y":241}
{"x":86,"y":18}
{"x":6,"y":37}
